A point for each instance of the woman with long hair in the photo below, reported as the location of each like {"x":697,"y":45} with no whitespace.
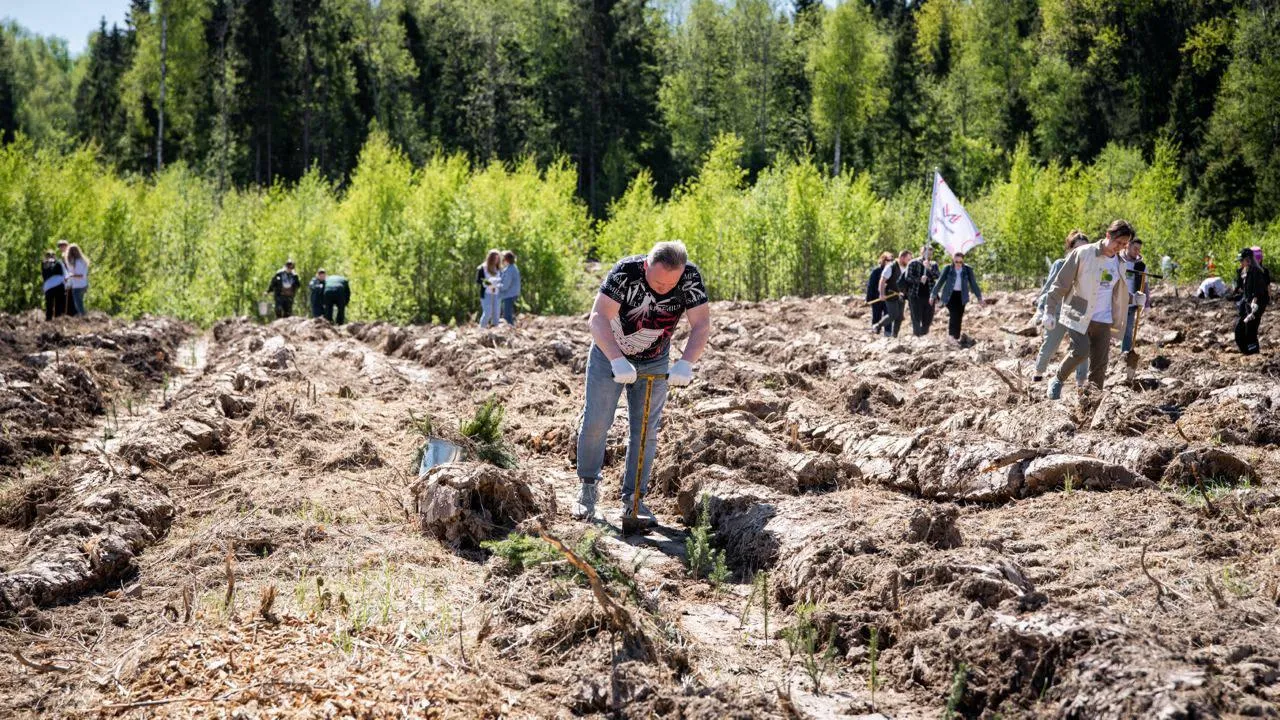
{"x":1053,"y":337}
{"x":955,"y":283}
{"x":77,"y":278}
{"x":489,"y":276}
{"x":1252,"y":283}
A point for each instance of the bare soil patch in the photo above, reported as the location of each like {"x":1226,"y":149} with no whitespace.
{"x":927,"y":532}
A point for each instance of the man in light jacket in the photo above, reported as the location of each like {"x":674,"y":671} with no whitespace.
{"x":1089,"y":296}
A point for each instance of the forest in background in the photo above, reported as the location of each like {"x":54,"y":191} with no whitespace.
{"x":787,"y":143}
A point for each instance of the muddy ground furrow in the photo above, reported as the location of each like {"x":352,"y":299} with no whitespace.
{"x":916,"y":514}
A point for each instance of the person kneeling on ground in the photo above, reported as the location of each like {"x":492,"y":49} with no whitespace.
{"x":1053,"y":337}
{"x":634,"y":316}
{"x":955,"y":282}
{"x":316,"y":286}
{"x":1252,"y":282}
{"x":337,"y":293}
{"x":1087,"y":297}
{"x":1212,"y":288}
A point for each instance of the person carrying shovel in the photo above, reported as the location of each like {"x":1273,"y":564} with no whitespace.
{"x":631,"y":323}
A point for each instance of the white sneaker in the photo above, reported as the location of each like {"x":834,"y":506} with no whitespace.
{"x":643,"y":514}
{"x":585,"y":507}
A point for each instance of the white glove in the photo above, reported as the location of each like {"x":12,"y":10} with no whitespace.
{"x":1050,"y":322}
{"x":624,"y":373}
{"x":681,"y":373}
{"x":1140,"y":299}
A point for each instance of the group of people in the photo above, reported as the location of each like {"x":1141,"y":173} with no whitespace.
{"x":66,"y":280}
{"x":499,"y":282}
{"x":330,"y":294}
{"x":1083,"y":298}
{"x":918,"y":285}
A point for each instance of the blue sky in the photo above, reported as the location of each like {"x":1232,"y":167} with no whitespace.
{"x":72,"y":20}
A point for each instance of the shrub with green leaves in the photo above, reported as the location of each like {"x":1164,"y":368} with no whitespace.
{"x":484,"y":429}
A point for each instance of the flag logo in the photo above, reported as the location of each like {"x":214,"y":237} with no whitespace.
{"x":949,"y":225}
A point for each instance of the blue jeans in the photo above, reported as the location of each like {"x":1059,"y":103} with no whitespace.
{"x":597,"y":417}
{"x":509,"y":310}
{"x":1126,"y":344}
{"x":77,"y":299}
{"x":489,"y":310}
{"x":1048,"y":348}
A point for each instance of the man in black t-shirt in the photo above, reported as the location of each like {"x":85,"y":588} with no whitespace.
{"x":634,"y":316}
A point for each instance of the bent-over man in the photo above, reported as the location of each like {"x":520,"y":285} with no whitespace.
{"x":634,"y":316}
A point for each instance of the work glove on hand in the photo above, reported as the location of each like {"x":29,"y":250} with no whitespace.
{"x":624,"y":373}
{"x":1140,"y":299}
{"x":1050,"y":322}
{"x":681,"y":373}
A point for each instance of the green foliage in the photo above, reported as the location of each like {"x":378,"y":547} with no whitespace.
{"x":521,"y":551}
{"x":484,"y":428}
{"x":804,"y":641}
{"x":760,"y":593}
{"x":703,"y":559}
{"x":959,"y":681}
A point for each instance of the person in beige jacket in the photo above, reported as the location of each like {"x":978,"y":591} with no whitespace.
{"x":1089,"y":297}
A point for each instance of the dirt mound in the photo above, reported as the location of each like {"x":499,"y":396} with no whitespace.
{"x":907,"y":509}
{"x":56,"y":377}
{"x":102,"y":522}
{"x":466,"y":503}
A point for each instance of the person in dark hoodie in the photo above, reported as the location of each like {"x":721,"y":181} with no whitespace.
{"x":1252,"y":285}
{"x":316,"y":288}
{"x":55,"y":292}
{"x":873,"y":291}
{"x":284,"y":285}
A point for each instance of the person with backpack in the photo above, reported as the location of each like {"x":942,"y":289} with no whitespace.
{"x":337,"y":293}
{"x":284,"y":286}
{"x":55,"y":293}
{"x":892,"y":288}
{"x":921,"y":274}
{"x":956,"y":282}
{"x":873,"y":292}
{"x":1254,"y":294}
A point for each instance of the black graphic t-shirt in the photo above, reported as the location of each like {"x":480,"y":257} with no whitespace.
{"x":647,"y":320}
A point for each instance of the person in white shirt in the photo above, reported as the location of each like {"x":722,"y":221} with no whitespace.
{"x":77,"y":279}
{"x":1090,"y":297}
{"x":489,"y":275}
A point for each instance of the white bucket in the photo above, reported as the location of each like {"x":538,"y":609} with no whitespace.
{"x":264,"y":308}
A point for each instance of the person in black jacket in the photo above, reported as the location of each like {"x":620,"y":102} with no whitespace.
{"x":284,"y":285}
{"x":316,"y":288}
{"x":55,"y":291}
{"x":1133,"y":267}
{"x":873,"y":291}
{"x":921,"y":274}
{"x":891,"y":287}
{"x":337,"y":293}
{"x":1252,"y":282}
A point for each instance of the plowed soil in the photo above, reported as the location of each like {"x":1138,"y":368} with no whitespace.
{"x":931,"y":534}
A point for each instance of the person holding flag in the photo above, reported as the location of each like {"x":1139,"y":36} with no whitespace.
{"x":952,"y":228}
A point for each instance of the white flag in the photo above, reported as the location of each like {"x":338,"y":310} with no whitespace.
{"x":949,"y":224}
